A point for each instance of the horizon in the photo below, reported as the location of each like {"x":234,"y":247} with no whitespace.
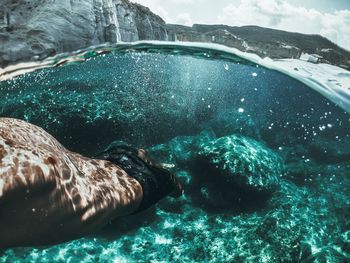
{"x":311,"y":17}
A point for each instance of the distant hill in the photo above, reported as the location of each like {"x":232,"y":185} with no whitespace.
{"x":264,"y":42}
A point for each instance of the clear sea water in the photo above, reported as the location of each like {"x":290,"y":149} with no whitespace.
{"x":182,"y":103}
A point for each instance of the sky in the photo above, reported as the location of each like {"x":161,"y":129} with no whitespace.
{"x":330,"y":18}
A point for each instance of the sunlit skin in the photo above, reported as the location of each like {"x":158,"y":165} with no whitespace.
{"x":49,"y":194}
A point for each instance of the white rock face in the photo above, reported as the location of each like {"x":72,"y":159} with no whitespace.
{"x":34,"y":29}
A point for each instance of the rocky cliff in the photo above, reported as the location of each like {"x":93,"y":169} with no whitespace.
{"x":34,"y":29}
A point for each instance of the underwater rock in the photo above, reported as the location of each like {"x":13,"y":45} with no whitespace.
{"x":244,"y":162}
{"x":40,"y":28}
{"x":236,"y":172}
{"x":230,"y":173}
{"x":285,"y":224}
{"x":249,"y":162}
{"x":309,"y":218}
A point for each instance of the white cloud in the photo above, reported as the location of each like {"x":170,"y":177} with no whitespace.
{"x":280,"y":14}
{"x":183,"y":19}
{"x":182,"y":2}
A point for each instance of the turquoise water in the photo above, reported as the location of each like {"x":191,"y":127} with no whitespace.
{"x":263,"y":158}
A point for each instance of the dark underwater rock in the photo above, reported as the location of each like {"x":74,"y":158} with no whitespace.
{"x":232,"y":173}
{"x":235,"y":173}
{"x":243,"y":161}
